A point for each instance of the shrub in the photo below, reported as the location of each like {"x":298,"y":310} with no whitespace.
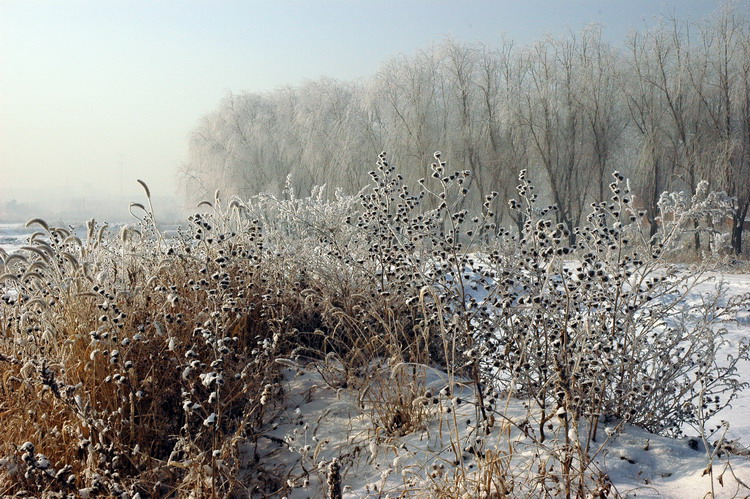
{"x":138,"y":364}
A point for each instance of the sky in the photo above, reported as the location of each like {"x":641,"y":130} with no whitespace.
{"x":94,"y":94}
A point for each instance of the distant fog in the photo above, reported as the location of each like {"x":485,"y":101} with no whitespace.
{"x":19,"y":206}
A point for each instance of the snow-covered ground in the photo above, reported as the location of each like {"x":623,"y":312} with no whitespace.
{"x":320,"y":423}
{"x":13,"y":236}
{"x":738,"y":415}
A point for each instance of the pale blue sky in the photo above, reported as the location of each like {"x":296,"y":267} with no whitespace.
{"x":87,"y":86}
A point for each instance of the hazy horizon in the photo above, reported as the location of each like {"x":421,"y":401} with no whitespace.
{"x":96,"y":94}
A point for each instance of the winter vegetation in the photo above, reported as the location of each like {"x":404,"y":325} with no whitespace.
{"x":533,"y":312}
{"x":668,"y":109}
{"x":385,"y":343}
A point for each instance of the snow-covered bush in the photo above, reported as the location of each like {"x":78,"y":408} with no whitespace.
{"x":603,"y":328}
{"x":596,"y":331}
{"x":599,"y":330}
{"x":704,"y":215}
{"x":154,"y":365}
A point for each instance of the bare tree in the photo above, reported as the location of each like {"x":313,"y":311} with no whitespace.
{"x":599,"y":99}
{"x":654,"y":168}
{"x":722,"y":82}
{"x":669,"y":110}
{"x":553,"y":121}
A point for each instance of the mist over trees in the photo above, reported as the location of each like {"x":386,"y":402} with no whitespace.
{"x":669,"y":108}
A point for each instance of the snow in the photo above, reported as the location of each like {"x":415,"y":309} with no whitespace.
{"x":738,"y":415}
{"x":321,"y":422}
{"x":13,"y":236}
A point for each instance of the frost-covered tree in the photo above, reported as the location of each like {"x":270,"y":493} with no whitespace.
{"x":669,"y":109}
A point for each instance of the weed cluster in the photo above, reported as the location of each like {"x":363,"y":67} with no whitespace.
{"x":136,"y":364}
{"x":139,"y":365}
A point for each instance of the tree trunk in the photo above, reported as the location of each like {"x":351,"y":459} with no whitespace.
{"x":738,"y":227}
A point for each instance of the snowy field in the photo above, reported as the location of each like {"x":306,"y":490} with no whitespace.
{"x":13,"y":236}
{"x":319,"y":423}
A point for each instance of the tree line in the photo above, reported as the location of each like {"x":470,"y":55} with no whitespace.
{"x":669,"y":108}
